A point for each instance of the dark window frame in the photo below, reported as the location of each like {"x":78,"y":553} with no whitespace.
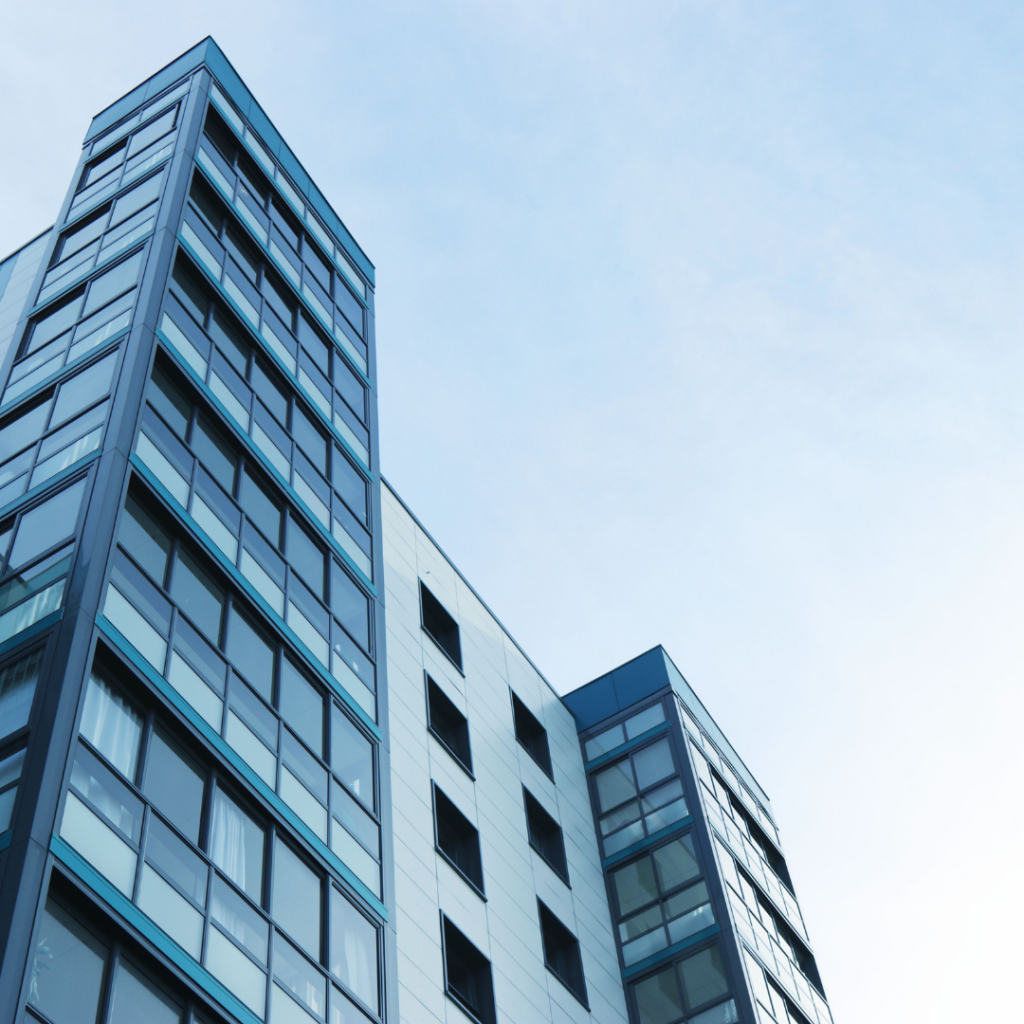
{"x":432,"y":608}
{"x":530,"y":732}
{"x":554,"y":858}
{"x":451,"y":937}
{"x":441,"y":731}
{"x":442,"y":804}
{"x":570,"y":974}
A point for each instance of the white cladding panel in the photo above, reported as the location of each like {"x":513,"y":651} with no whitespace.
{"x":505,"y":927}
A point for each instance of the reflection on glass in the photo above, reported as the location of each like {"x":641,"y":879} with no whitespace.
{"x":296,"y":899}
{"x":174,"y":783}
{"x":353,"y":957}
{"x":17,"y":688}
{"x":135,"y":998}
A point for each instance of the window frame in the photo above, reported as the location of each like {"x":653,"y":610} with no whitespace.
{"x":438,"y":643}
{"x":465,"y":763}
{"x":550,"y":921}
{"x":528,"y":720}
{"x":562,"y":867}
{"x":442,"y":805}
{"x":482,"y":1015}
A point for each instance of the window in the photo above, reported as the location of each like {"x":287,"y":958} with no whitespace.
{"x":467,"y":974}
{"x":440,"y":626}
{"x":660,"y":900}
{"x":562,"y":953}
{"x":772,"y":999}
{"x":449,"y":725}
{"x":458,"y":840}
{"x":55,"y":430}
{"x":75,"y":325}
{"x":17,"y":688}
{"x":260,"y":532}
{"x":532,"y":735}
{"x":210,"y":867}
{"x":618,"y":734}
{"x":545,"y":835}
{"x":33,"y":575}
{"x":247,"y":686}
{"x":686,"y":986}
{"x":11,"y":765}
{"x":625,"y":819}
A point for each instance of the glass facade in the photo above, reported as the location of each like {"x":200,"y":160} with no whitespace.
{"x":189,"y":556}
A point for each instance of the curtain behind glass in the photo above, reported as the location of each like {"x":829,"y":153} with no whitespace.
{"x":112,"y":726}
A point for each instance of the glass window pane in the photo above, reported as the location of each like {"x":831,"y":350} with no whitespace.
{"x":263,"y":510}
{"x":239,"y":919}
{"x":604,"y":741}
{"x":302,"y":706}
{"x":296,"y":899}
{"x":108,"y":794}
{"x":216,"y":453}
{"x":306,"y":556}
{"x":298,"y":975}
{"x":647,"y":719}
{"x":176,"y":861}
{"x":17,"y":688}
{"x":83,"y":389}
{"x":676,"y":863}
{"x":635,"y":885}
{"x":172,"y":405}
{"x":653,"y":763}
{"x":174,"y":782}
{"x":54,"y":322}
{"x":351,"y":756}
{"x":112,"y":726}
{"x":111,"y":284}
{"x":67,"y":969}
{"x":353,"y":950}
{"x":23,"y":431}
{"x":47,"y":524}
{"x":251,"y":653}
{"x":657,"y":998}
{"x":350,"y":605}
{"x":614,"y":785}
{"x":136,"y":998}
{"x":144,"y":540}
{"x":703,"y":977}
{"x":136,"y":199}
{"x":197,"y":595}
{"x":236,"y":846}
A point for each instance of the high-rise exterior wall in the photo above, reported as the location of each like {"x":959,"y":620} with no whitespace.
{"x":499,"y":910}
{"x":709,"y":929}
{"x":193,"y":718}
{"x":265,"y":755}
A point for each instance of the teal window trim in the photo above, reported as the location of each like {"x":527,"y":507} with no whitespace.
{"x":265,"y":349}
{"x":282,"y":627}
{"x":626,"y":747}
{"x":632,"y":851}
{"x":669,"y":952}
{"x":57,"y":478}
{"x":258,"y":242}
{"x":280,"y":808}
{"x":86,"y":873}
{"x":264,"y":462}
{"x":45,"y":383}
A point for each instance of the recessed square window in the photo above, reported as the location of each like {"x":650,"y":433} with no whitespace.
{"x":440,"y":626}
{"x":562,"y":954}
{"x":532,"y":735}
{"x":458,"y":840}
{"x":545,"y":835}
{"x":467,"y":974}
{"x":449,"y":725}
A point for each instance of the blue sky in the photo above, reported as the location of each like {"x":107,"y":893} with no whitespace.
{"x":698,"y":324}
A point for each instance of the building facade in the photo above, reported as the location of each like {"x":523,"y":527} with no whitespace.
{"x":265,"y":755}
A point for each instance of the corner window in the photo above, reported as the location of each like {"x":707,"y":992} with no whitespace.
{"x":562,"y":953}
{"x":440,"y":626}
{"x":449,"y":725}
{"x":458,"y":840}
{"x":638,"y":796}
{"x":634,"y":726}
{"x":17,"y":688}
{"x":545,"y":835}
{"x":467,"y":974}
{"x":532,"y":736}
{"x":688,"y":985}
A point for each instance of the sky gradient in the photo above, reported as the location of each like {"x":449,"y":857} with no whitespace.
{"x":698,"y":324}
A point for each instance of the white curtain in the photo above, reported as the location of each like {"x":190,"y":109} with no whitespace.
{"x":227,"y":844}
{"x":112,"y":726}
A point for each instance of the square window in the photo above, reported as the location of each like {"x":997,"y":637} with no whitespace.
{"x":532,"y":735}
{"x":562,"y":954}
{"x":449,"y":725}
{"x":440,"y":626}
{"x":467,"y":974}
{"x":545,"y":835}
{"x":458,"y":840}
